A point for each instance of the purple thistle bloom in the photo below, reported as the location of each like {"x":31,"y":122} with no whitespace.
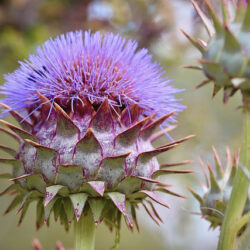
{"x":91,"y":106}
{"x":70,"y":68}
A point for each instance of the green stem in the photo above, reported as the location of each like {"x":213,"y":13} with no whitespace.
{"x":85,"y":233}
{"x":239,"y":193}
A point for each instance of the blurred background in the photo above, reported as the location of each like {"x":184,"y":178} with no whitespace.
{"x":155,"y":24}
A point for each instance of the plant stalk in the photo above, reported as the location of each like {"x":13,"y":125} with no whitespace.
{"x":228,"y":235}
{"x":85,"y":233}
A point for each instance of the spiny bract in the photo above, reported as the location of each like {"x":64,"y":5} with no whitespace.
{"x":218,"y":188}
{"x":88,"y":122}
{"x":226,"y":56}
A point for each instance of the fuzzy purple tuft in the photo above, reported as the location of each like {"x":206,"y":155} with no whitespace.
{"x":74,"y":67}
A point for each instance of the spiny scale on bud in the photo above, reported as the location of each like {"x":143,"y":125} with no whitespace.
{"x":218,"y":188}
{"x":225,"y":56}
{"x":90,"y":109}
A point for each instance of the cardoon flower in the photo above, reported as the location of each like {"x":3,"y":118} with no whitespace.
{"x":88,"y":111}
{"x":225,"y":56}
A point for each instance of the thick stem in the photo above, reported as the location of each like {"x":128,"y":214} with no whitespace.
{"x":239,"y":193}
{"x":85,"y":233}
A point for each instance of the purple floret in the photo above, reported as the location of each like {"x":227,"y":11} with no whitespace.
{"x":74,"y":67}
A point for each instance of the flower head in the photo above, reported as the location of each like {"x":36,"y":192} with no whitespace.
{"x":218,"y":188}
{"x":71,"y":68}
{"x":225,"y":55}
{"x":86,"y":144}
